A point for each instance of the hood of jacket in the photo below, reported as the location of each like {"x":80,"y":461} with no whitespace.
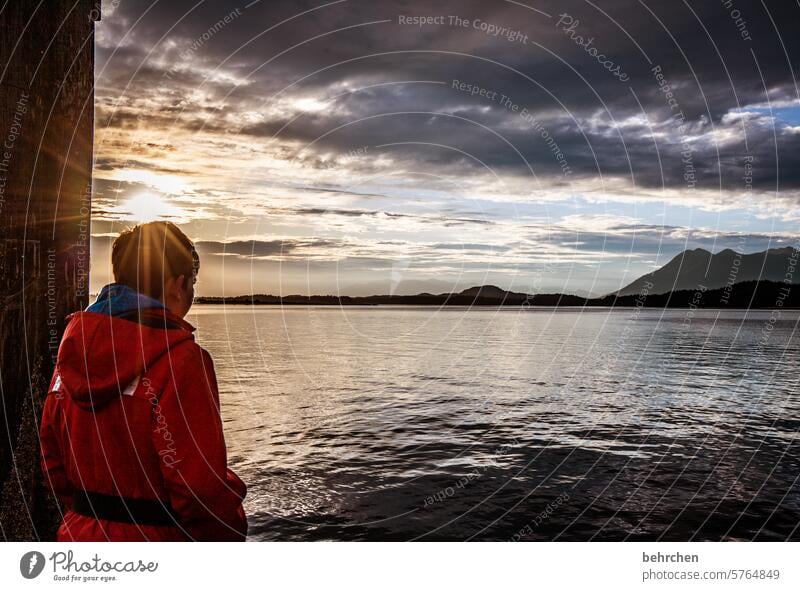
{"x":102,"y":354}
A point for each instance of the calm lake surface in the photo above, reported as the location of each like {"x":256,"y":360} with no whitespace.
{"x":405,"y":423}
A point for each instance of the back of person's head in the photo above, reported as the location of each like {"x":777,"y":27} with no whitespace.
{"x":146,"y":256}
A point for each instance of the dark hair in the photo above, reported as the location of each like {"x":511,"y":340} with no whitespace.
{"x":146,"y":256}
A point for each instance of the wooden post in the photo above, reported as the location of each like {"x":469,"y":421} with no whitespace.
{"x":46,"y":134}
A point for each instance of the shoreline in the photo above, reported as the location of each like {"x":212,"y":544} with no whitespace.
{"x":498,"y":305}
{"x":751,"y":295}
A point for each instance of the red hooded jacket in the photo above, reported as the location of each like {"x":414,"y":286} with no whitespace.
{"x":132,"y":417}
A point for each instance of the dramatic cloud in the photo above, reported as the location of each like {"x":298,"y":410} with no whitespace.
{"x":563,"y":144}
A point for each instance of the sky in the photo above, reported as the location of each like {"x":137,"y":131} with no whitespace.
{"x":358,"y":147}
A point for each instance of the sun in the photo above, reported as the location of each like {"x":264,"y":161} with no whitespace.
{"x":148,"y":207}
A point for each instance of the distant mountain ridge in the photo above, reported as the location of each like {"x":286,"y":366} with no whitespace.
{"x":695,"y":277}
{"x":492,"y":292}
{"x":747,"y":294}
{"x":692,"y":269}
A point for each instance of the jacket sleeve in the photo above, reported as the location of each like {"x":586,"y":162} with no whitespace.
{"x":52,"y":459}
{"x":188,"y":436}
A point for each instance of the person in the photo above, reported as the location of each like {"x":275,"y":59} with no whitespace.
{"x":131,"y":433}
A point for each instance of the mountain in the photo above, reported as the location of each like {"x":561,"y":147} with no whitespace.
{"x":480,"y":295}
{"x":492,"y":292}
{"x":747,"y":294}
{"x":744,"y":295}
{"x":694,"y":268}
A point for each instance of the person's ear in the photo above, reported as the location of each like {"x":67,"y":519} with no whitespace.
{"x":180,"y":284}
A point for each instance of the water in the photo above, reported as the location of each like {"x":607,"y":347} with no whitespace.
{"x":404,"y":423}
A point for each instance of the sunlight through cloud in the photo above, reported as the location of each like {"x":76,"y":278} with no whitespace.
{"x":148,"y":207}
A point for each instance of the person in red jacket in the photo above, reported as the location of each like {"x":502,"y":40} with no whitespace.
{"x":131,"y":434}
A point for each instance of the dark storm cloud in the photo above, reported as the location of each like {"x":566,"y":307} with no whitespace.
{"x":443,"y":220}
{"x":715,"y":57}
{"x":263,"y":248}
{"x":466,"y":246}
{"x":644,"y":240}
